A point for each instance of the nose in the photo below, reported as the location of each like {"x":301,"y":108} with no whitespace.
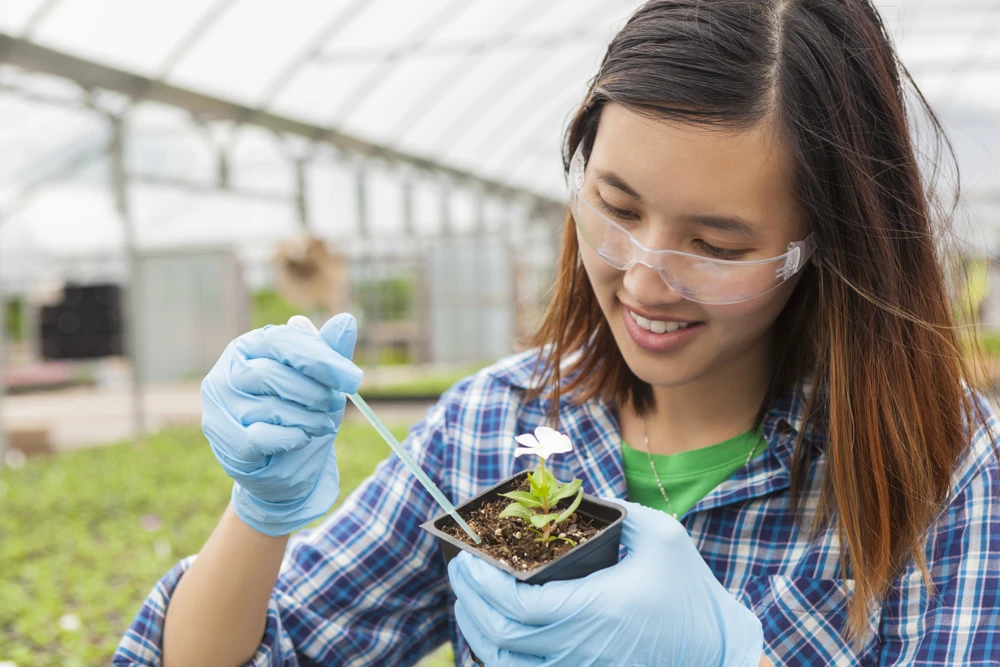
{"x":647,"y":287}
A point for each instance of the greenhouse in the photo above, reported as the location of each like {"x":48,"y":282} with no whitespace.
{"x":176,"y":173}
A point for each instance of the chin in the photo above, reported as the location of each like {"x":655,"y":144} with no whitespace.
{"x":657,"y":371}
{"x":662,"y":377}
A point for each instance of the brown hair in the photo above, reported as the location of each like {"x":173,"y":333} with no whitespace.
{"x":870,"y":317}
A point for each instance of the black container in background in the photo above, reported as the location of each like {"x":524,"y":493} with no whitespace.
{"x":85,"y":324}
{"x":597,"y":553}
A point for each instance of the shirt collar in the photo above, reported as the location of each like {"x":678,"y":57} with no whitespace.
{"x":786,"y":419}
{"x":593,"y":427}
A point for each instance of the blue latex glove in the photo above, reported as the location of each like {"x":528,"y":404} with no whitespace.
{"x":660,"y":605}
{"x":271,"y":408}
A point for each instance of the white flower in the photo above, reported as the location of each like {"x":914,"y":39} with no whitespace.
{"x":162,"y":548}
{"x":544,"y":443}
{"x":70,"y":623}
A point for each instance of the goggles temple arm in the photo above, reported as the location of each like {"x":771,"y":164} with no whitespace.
{"x":798,"y":255}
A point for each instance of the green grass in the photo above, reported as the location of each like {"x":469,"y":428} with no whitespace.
{"x":89,"y":533}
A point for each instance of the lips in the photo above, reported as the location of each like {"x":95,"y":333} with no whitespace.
{"x":658,"y":326}
{"x":660,"y":335}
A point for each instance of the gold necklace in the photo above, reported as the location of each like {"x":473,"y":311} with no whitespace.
{"x":656,"y":475}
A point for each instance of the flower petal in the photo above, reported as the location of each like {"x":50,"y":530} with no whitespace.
{"x":564,"y":444}
{"x":530,"y":450}
{"x":546,"y":435}
{"x":527,"y":440}
{"x":553,"y":441}
{"x":545,"y":442}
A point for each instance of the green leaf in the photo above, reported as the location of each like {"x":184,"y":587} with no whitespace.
{"x":572,"y":508}
{"x":517,"y":510}
{"x":535,"y":480}
{"x":524,"y":498}
{"x":542,"y":482}
{"x":551,"y":481}
{"x":541,"y":520}
{"x":564,"y":491}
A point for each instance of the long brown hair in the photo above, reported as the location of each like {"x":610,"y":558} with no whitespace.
{"x":870,"y":319}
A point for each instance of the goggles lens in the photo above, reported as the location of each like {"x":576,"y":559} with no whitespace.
{"x":696,"y":277}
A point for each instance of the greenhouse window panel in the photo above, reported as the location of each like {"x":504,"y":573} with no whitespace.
{"x":16,"y":17}
{"x":244,"y":52}
{"x":136,"y":36}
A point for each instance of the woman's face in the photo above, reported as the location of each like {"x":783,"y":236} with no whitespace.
{"x":681,"y":187}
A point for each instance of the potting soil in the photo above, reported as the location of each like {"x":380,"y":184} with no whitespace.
{"x":511,"y":541}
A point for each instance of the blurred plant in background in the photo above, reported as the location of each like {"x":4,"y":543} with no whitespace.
{"x":267,"y":307}
{"x":14,"y":319}
{"x":85,"y":535}
{"x":388,"y":299}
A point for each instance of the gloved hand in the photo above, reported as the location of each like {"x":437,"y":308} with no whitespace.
{"x":660,"y":605}
{"x":271,"y":408}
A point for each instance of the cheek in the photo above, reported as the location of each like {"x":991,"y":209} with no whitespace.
{"x":750,"y":318}
{"x":604,"y":278}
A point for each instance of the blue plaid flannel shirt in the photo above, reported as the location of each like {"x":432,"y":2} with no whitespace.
{"x":369,"y":587}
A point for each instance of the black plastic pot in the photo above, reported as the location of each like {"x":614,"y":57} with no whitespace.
{"x":597,"y":553}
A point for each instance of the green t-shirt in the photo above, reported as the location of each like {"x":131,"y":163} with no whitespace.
{"x":687,"y":477}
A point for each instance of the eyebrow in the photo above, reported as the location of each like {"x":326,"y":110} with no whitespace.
{"x":614,"y":181}
{"x":722,"y":223}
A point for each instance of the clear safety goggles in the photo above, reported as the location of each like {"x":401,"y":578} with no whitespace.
{"x":698,"y":278}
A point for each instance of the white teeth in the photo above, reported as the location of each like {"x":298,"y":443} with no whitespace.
{"x":658,"y":326}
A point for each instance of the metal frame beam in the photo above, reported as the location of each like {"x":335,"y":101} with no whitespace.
{"x":409,"y":225}
{"x":445,"y":210}
{"x":361,"y":201}
{"x":133,"y":336}
{"x":302,"y":193}
{"x":89,"y":74}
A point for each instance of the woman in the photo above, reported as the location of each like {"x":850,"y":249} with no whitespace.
{"x":749,"y":332}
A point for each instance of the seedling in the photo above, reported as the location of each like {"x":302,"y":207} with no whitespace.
{"x":545,"y":491}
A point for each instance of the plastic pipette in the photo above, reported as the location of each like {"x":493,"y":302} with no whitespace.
{"x":302,"y":322}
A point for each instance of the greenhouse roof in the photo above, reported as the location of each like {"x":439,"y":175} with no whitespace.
{"x":464,"y":89}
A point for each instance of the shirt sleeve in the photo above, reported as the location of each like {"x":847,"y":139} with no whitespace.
{"x":367,"y":587}
{"x":957,"y":623}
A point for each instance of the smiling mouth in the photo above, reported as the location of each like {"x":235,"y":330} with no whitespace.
{"x":659,"y":326}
